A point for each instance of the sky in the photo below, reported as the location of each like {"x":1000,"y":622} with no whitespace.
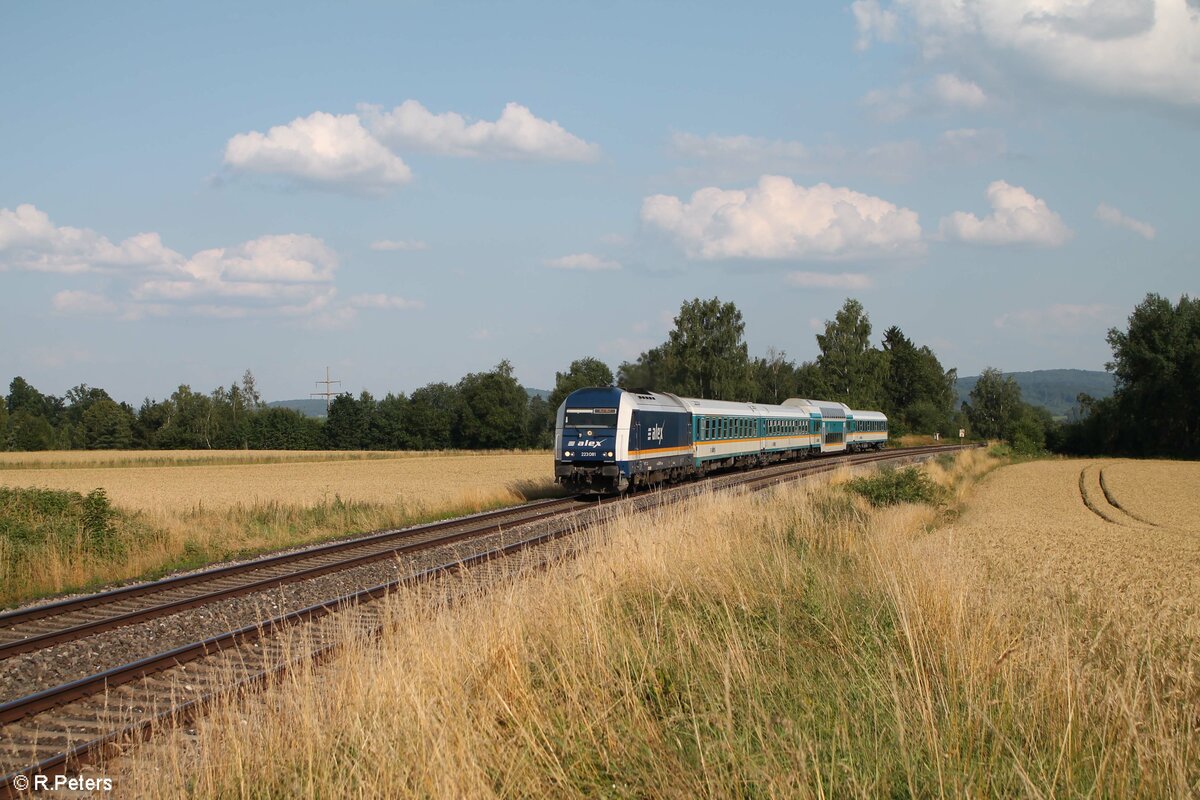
{"x":406,"y":193}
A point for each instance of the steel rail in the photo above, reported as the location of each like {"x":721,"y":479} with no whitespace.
{"x":38,"y":642}
{"x":15,"y":616}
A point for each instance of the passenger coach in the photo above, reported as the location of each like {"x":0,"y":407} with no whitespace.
{"x":610,"y":440}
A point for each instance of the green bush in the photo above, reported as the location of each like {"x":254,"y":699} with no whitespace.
{"x":32,"y":519}
{"x":890,"y":487}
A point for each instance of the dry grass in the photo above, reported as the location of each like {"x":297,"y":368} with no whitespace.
{"x":176,"y":518}
{"x":918,"y":440}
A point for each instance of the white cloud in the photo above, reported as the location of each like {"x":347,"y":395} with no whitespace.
{"x":1114,"y":216}
{"x":288,"y":275}
{"x":1059,"y":318}
{"x":322,"y":149}
{"x":77,"y":302}
{"x":585,"y":262}
{"x":873,"y":23}
{"x":955,"y":92}
{"x":1148,"y":49}
{"x":780,"y":219}
{"x":824,"y":280}
{"x":1017,"y":218}
{"x":517,"y":134}
{"x":30,"y":241}
{"x":407,"y":245}
{"x":945,"y":92}
{"x":386,"y":302}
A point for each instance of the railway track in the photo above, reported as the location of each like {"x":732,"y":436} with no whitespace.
{"x":34,"y":628}
{"x":49,"y":731}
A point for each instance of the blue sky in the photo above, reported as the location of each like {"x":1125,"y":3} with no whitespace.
{"x":409,"y":193}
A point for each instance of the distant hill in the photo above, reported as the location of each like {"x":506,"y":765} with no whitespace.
{"x":309,"y":408}
{"x":542,"y":393}
{"x":1053,"y":389}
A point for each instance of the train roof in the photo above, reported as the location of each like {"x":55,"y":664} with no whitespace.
{"x":828,"y":409}
{"x":798,"y":407}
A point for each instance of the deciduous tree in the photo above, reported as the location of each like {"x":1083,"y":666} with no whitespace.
{"x":1156,"y":362}
{"x":492,"y":409}
{"x":853,"y":370}
{"x":994,"y":406}
{"x":582,"y":373}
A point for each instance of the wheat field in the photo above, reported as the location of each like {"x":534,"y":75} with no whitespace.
{"x":431,"y":479}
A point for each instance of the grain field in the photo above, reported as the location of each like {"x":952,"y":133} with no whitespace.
{"x":431,"y":480}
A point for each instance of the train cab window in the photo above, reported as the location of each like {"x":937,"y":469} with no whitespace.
{"x":591,"y":417}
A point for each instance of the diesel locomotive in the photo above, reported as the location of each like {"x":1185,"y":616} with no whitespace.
{"x":609,"y":440}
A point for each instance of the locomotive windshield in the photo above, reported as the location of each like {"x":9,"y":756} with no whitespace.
{"x":591,"y":417}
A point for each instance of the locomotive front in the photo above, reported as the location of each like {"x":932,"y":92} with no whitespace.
{"x":587,"y":438}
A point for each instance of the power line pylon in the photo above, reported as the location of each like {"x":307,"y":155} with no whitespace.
{"x":327,"y":394}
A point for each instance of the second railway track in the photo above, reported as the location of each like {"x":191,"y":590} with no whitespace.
{"x":37,"y":627}
{"x":66,"y":724}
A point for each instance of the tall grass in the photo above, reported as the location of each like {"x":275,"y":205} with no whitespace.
{"x":800,"y":643}
{"x":48,"y":545}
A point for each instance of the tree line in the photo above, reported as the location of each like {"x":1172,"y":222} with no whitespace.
{"x":482,"y":411}
{"x":1153,"y":411}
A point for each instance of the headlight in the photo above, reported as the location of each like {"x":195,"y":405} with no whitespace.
{"x":567,"y":453}
{"x":609,"y":454}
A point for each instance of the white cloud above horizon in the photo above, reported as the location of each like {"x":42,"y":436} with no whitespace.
{"x":72,"y":301}
{"x":1147,"y":49}
{"x":778,"y":219}
{"x":874,"y":23}
{"x":1017,"y":218}
{"x":327,"y":150}
{"x":1114,"y":216}
{"x":584,"y":262}
{"x":288,"y":275}
{"x":30,"y":241}
{"x":516,"y":134}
